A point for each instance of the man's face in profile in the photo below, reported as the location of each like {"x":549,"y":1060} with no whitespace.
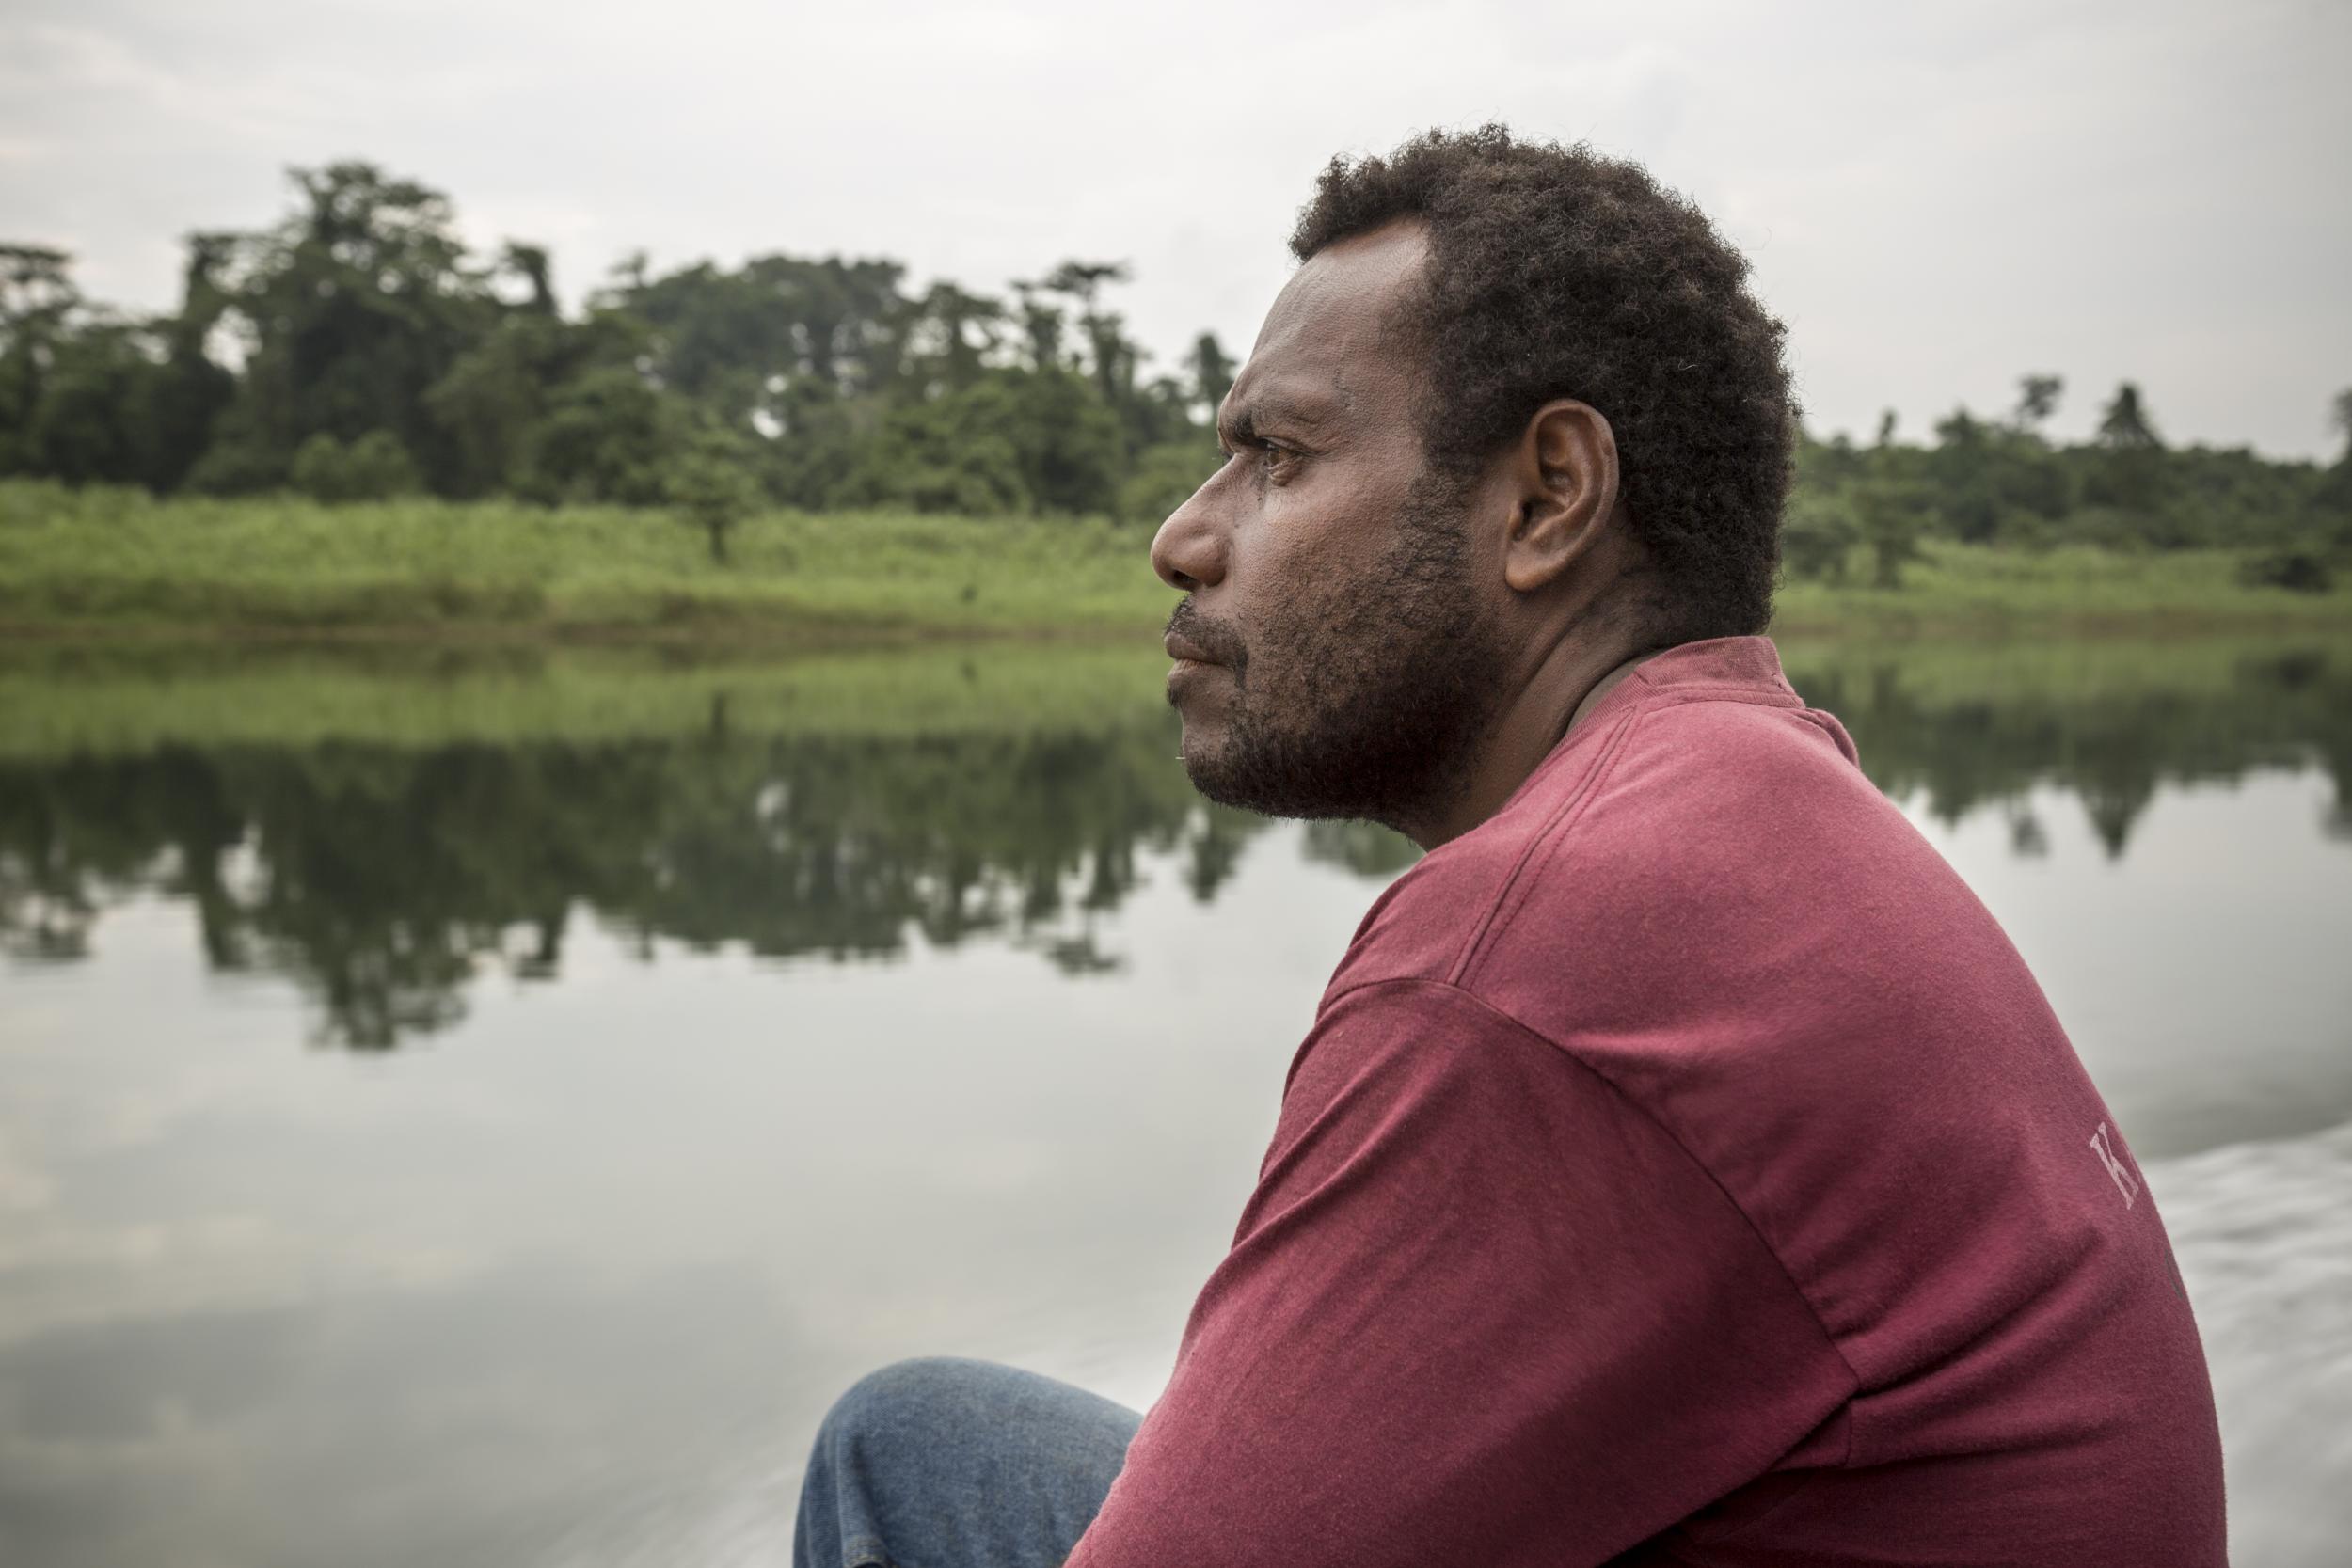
{"x":1334,"y":653}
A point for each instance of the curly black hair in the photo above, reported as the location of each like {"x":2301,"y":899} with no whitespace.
{"x":1558,"y":272}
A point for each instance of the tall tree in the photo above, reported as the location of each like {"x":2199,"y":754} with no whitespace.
{"x":2334,"y":494}
{"x":1041,"y":325}
{"x":190,"y":391}
{"x":2037,"y":400}
{"x":1111,"y":358}
{"x":37,"y":296}
{"x":2131,"y":473}
{"x":352,"y":308}
{"x":1212,"y":372}
{"x":965,"y":326}
{"x":2124,"y":424}
{"x":530,"y":264}
{"x":1967,"y":495}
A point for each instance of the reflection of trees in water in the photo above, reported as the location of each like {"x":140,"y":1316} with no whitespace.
{"x":2110,"y":748}
{"x":385,"y":878}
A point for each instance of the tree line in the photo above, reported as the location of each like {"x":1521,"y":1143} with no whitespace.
{"x":2002,"y":480}
{"x":357,"y":349}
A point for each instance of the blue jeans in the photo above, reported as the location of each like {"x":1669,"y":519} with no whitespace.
{"x":946,"y":1464}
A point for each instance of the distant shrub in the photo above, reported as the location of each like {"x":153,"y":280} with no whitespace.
{"x":374,"y":468}
{"x":236,"y":466}
{"x":711,"y":487}
{"x":2297,"y":571}
{"x":607,"y":436}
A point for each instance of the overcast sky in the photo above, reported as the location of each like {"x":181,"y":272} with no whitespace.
{"x":1937,"y":199}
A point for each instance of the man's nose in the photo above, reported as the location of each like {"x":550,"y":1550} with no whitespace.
{"x":1188,"y":552}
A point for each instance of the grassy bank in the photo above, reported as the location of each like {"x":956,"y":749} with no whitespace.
{"x":66,"y":699}
{"x":107,"y":566}
{"x":1964,"y":590}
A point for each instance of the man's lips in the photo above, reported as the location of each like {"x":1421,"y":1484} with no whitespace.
{"x":1183,"y":648}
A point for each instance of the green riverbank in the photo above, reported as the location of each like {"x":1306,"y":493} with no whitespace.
{"x":110,"y":565}
{"x":65,"y":699}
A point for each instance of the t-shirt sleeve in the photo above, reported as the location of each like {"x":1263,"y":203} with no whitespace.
{"x":1480,"y":1309}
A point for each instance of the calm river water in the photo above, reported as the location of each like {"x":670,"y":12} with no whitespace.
{"x":484,"y":1115}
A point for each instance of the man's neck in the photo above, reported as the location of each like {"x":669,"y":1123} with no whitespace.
{"x":1564,"y":692}
{"x":1607,"y":684}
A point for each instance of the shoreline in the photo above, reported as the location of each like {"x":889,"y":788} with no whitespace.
{"x":786,"y":632}
{"x":108,"y":695}
{"x":106,"y":567}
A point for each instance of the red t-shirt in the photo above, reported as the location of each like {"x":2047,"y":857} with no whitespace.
{"x":1684,"y":1165}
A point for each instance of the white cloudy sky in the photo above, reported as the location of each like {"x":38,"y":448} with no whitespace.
{"x":1937,"y":198}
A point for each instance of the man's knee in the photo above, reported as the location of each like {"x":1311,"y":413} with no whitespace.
{"x":949,"y":1453}
{"x":876,"y":1468}
{"x":915,"y":1402}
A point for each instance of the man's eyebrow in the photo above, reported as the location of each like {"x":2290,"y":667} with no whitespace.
{"x":1239,"y":423}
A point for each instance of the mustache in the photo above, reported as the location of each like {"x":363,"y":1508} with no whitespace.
{"x":1220,"y":641}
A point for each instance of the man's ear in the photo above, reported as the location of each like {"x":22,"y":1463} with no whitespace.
{"x":1566,"y":474}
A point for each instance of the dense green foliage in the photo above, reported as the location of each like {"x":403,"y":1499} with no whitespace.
{"x":358,"y":351}
{"x":1864,"y":510}
{"x":388,"y":830}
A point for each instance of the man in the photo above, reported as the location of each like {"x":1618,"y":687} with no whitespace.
{"x":1683,"y":1167}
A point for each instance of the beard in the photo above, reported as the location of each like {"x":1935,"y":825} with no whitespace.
{"x":1365,"y":699}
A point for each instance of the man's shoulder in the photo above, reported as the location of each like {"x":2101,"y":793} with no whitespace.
{"x":1417,"y":929}
{"x":1712,"y":908}
{"x":1665,"y":798}
{"x":1710,"y":807}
